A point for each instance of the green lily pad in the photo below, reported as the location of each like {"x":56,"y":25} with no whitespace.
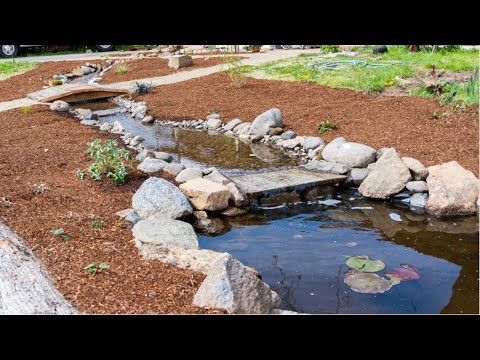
{"x":365,"y":264}
{"x":366,"y":283}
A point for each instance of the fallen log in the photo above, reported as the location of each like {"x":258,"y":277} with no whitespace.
{"x":25,"y":287}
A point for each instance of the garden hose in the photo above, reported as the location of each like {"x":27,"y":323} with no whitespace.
{"x":350,"y":64}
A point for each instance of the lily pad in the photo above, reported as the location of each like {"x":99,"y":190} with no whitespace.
{"x":365,"y":264}
{"x":404,"y":273}
{"x":366,"y":283}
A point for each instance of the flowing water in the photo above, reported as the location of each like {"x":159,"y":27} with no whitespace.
{"x":301,"y":249}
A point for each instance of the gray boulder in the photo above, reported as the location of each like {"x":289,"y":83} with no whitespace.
{"x":60,"y":105}
{"x":174,"y":169}
{"x":326,"y":166}
{"x":88,"y":122}
{"x":232,"y":124}
{"x":214,"y":124}
{"x":418,"y":200}
{"x":312,"y":142}
{"x":453,"y":190}
{"x":159,"y":197}
{"x":287,"y":135}
{"x":418,"y":171}
{"x":417,"y":187}
{"x":179,"y":61}
{"x":389,"y":177}
{"x":382,"y":151}
{"x":275,"y":131}
{"x":161,"y":230}
{"x":230,"y":286}
{"x":133,"y":218}
{"x":142,"y":155}
{"x":189,"y":174}
{"x":237,"y":196}
{"x":206,"y":195}
{"x":240,"y":127}
{"x":163,"y":156}
{"x":358,"y":175}
{"x":352,"y":154}
{"x":105,"y":127}
{"x":147,"y":119}
{"x":266,"y":121}
{"x":216,"y":176}
{"x":150,"y":165}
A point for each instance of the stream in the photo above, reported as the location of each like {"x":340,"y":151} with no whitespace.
{"x":300,"y":249}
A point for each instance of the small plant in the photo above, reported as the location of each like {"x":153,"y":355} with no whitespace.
{"x":141,"y":88}
{"x":93,"y":267}
{"x":55,"y":82}
{"x":97,"y":223}
{"x":437,"y":116}
{"x":109,"y":160}
{"x":61,"y":232}
{"x":213,"y":111}
{"x":235,"y":70}
{"x":325,"y":126}
{"x":26,"y":110}
{"x":253,"y":47}
{"x":438,"y":87}
{"x":169,"y":103}
{"x":55,"y":117}
{"x":472,"y":90}
{"x":325,"y":49}
{"x":121,"y":69}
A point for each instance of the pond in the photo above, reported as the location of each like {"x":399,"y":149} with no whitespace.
{"x":301,"y":249}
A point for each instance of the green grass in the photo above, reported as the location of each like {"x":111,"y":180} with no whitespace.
{"x":455,"y":60}
{"x":8,"y":68}
{"x":361,"y":79}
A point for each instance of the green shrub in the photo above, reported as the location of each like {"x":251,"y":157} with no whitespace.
{"x":330,"y":49}
{"x":121,"y":69}
{"x":325,"y":126}
{"x":26,"y":110}
{"x":109,"y":160}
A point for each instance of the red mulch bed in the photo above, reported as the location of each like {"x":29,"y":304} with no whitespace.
{"x":403,"y":122}
{"x":151,"y":67}
{"x":131,"y":285}
{"x":18,"y":86}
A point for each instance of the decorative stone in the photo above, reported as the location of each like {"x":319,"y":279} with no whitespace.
{"x":452,"y":190}
{"x":158,"y":197}
{"x":312,"y":142}
{"x":287,"y":135}
{"x":216,"y":176}
{"x":150,"y":165}
{"x":179,"y":61}
{"x":231,"y":286}
{"x":147,"y":119}
{"x":174,"y":169}
{"x":161,"y":230}
{"x":232,"y":124}
{"x":358,"y":175}
{"x":382,"y":151}
{"x":124,"y":213}
{"x":417,"y":187}
{"x":266,"y":121}
{"x":328,"y":167}
{"x":275,"y":131}
{"x":418,"y":200}
{"x":214,"y":124}
{"x":242,"y":126}
{"x":60,"y":106}
{"x":389,"y":177}
{"x":206,"y":194}
{"x":189,"y":174}
{"x":352,"y":154}
{"x":237,"y":196}
{"x":418,"y":171}
{"x":163,"y":156}
{"x":142,"y":155}
{"x":105,"y":127}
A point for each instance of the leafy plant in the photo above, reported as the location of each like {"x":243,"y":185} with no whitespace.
{"x":80,"y":174}
{"x":109,"y":160}
{"x":141,"y":88}
{"x":121,"y":69}
{"x":56,"y":82}
{"x":26,"y":110}
{"x":61,"y":232}
{"x":97,"y":223}
{"x":330,"y":49}
{"x":235,"y":70}
{"x":472,"y":90}
{"x":252,"y":47}
{"x":94,"y":267}
{"x":169,"y":103}
{"x":325,"y":126}
{"x":438,"y":87}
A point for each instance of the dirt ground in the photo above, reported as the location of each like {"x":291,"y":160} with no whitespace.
{"x":151,"y":67}
{"x":18,"y":86}
{"x":47,"y":148}
{"x":406,"y":123}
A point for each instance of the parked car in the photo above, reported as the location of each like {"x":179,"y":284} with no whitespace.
{"x":12,"y":50}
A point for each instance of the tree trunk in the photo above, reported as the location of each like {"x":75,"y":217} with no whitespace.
{"x":25,"y":287}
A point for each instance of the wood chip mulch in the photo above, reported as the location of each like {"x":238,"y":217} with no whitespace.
{"x":406,"y":123}
{"x":18,"y":86}
{"x":47,"y":148}
{"x":152,"y":67}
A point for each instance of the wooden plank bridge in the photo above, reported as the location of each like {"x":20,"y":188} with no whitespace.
{"x":75,"y":92}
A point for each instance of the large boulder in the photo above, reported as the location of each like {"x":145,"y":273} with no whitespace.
{"x":418,"y":171}
{"x":151,"y":165}
{"x":266,"y":121}
{"x":389,"y":177}
{"x":312,"y":142}
{"x":232,"y":287}
{"x":159,"y":197}
{"x":59,"y":105}
{"x":352,"y":154}
{"x":453,"y":190}
{"x":160,"y":230}
{"x":179,"y":61}
{"x":232,"y":124}
{"x":206,"y":195}
{"x":174,"y":169}
{"x":326,"y":166}
{"x":189,"y":174}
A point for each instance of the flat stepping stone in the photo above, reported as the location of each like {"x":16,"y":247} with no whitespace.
{"x":75,"y":92}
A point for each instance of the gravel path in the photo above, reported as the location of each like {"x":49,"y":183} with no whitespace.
{"x":254,"y":59}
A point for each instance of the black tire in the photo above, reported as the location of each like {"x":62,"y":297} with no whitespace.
{"x":8,"y":50}
{"x":103,"y":48}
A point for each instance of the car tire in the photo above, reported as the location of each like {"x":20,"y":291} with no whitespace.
{"x":8,"y":50}
{"x":105,"y":47}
